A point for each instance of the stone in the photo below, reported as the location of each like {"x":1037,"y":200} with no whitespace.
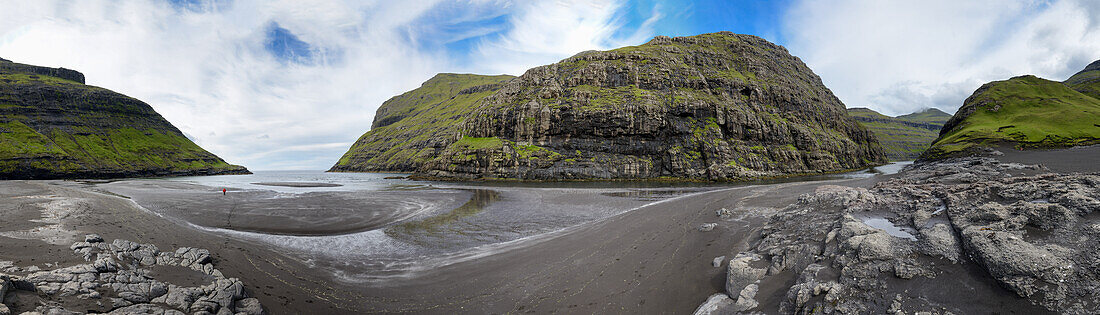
{"x":248,"y":306}
{"x":717,"y":262}
{"x":707,"y":227}
{"x":716,"y":304}
{"x":744,"y":269}
{"x":723,"y":213}
{"x":93,"y":238}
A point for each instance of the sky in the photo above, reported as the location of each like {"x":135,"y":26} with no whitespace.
{"x":291,"y":84}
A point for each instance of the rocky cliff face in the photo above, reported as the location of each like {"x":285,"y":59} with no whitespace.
{"x":715,"y":106}
{"x":54,"y":126}
{"x":1027,"y":112}
{"x":412,"y":128}
{"x":903,"y":137}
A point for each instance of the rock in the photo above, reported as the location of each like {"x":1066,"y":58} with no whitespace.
{"x":5,"y":285}
{"x":93,"y":238}
{"x":145,"y":309}
{"x":716,"y":304}
{"x":131,"y":288}
{"x":744,"y":269}
{"x":248,"y":306}
{"x":746,"y":299}
{"x":707,"y":227}
{"x":724,"y":213}
{"x":717,"y":262}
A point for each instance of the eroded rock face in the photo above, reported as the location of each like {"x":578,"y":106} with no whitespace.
{"x":715,"y":106}
{"x":937,"y":238}
{"x":122,"y":278}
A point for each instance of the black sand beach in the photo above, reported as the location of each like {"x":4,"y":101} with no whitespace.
{"x":654,"y":259}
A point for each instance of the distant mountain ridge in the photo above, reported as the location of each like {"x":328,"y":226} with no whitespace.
{"x":52,"y":125}
{"x":903,"y":137}
{"x":1025,"y":112}
{"x":717,"y":106}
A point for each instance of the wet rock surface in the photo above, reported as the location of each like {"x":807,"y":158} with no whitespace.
{"x":124,"y":277}
{"x":966,"y":235}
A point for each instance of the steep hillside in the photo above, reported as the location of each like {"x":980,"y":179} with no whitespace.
{"x":903,"y":137}
{"x":1024,"y":111}
{"x":716,"y":106}
{"x":52,"y":125}
{"x":411,"y":128}
{"x":1087,"y":81}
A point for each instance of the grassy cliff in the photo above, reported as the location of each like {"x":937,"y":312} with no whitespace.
{"x":718,"y":106}
{"x":903,"y":137}
{"x":52,"y":125}
{"x":1025,"y":111}
{"x":411,"y":128}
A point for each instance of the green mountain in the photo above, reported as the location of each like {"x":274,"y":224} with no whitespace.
{"x":1087,"y":81}
{"x":1025,"y":111}
{"x":717,"y":106}
{"x":52,"y":125}
{"x":414,"y":127}
{"x":903,"y":137}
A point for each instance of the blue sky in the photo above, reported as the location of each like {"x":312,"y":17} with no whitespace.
{"x":290,"y":84}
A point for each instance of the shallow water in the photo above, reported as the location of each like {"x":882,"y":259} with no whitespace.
{"x":365,"y":227}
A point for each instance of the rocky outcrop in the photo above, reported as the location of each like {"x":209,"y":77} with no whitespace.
{"x":1025,"y":112}
{"x":54,"y":126}
{"x":904,"y":137}
{"x":933,"y":239}
{"x":412,"y":128}
{"x":715,"y":106}
{"x":124,"y":277}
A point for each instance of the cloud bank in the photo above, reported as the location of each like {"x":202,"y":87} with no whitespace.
{"x":291,"y":84}
{"x":900,"y":56}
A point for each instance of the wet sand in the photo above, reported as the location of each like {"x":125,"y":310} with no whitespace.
{"x":652,"y":259}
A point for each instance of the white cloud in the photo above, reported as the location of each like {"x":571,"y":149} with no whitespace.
{"x":544,"y":32}
{"x":205,"y":68}
{"x":899,"y":56}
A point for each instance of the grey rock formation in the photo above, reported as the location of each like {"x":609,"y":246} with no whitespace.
{"x":936,"y":238}
{"x":122,"y":278}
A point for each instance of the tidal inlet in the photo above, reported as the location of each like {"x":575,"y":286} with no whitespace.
{"x":568,"y":157}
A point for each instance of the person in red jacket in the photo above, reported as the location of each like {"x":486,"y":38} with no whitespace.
{"x":223,"y":191}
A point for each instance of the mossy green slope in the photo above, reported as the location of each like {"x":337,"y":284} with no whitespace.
{"x":1087,"y":81}
{"x":717,"y":106}
{"x":904,"y":137}
{"x":411,"y":128}
{"x":52,"y":125}
{"x":1025,"y":111}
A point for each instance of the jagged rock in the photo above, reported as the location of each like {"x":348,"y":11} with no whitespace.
{"x":130,"y":288}
{"x":744,"y":269}
{"x":93,"y":238}
{"x":716,"y":304}
{"x":248,"y":306}
{"x":1032,"y":233}
{"x":707,"y":227}
{"x":723,"y":213}
{"x":146,"y":309}
{"x":717,"y":262}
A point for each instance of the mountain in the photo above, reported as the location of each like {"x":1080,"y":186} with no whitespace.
{"x":1027,"y":112}
{"x":717,"y":106}
{"x":903,"y":137}
{"x":412,"y":128}
{"x":1087,"y":81}
{"x":52,"y":125}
